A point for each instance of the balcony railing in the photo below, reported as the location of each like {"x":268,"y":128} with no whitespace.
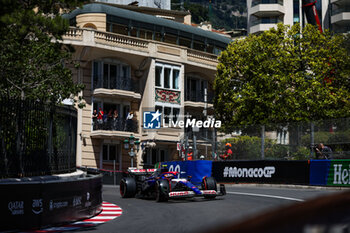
{"x":266,"y":21}
{"x":126,"y":84}
{"x":92,"y":37}
{"x":119,"y":124}
{"x":254,"y":3}
{"x":198,"y":96}
{"x":341,"y":10}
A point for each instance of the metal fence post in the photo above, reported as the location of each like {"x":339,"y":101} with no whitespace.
{"x":312,"y":139}
{"x":114,"y":181}
{"x":262,"y":141}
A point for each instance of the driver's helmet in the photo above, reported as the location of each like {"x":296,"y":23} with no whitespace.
{"x":164,"y":168}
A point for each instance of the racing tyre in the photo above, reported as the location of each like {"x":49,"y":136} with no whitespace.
{"x":209,"y":183}
{"x":162,"y":191}
{"x":127,"y":187}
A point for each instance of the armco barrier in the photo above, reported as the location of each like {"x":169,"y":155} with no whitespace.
{"x":197,"y":169}
{"x":27,"y":204}
{"x":262,"y":171}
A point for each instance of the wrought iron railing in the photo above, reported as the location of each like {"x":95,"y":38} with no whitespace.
{"x":126,"y":84}
{"x":198,"y":96}
{"x":36,"y":139}
{"x":119,"y":124}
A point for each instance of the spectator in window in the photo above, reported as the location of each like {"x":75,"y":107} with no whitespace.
{"x":323,"y":152}
{"x":110,"y":118}
{"x":94,"y":118}
{"x":100,"y":118}
{"x":129,"y":121}
{"x":115,"y":119}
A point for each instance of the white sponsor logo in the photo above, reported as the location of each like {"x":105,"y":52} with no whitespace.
{"x":210,"y":123}
{"x":266,"y":172}
{"x":58,"y":205}
{"x":77,"y":201}
{"x":87,"y":203}
{"x":16,"y":207}
{"x":37,"y":206}
{"x":179,"y":194}
{"x":205,"y":192}
{"x":341,"y":176}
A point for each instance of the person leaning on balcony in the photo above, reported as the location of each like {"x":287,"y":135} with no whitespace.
{"x":323,"y":152}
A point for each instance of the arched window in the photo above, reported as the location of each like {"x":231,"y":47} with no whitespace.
{"x":90,"y":25}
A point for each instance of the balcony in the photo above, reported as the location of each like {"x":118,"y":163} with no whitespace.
{"x":339,"y":2}
{"x":267,"y":8}
{"x":262,"y":25}
{"x":112,"y":128}
{"x":137,"y":46}
{"x":121,"y":87}
{"x":341,"y":16}
{"x":198,"y":96}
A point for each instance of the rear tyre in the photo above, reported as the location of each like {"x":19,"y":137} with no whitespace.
{"x":127,"y":187}
{"x":209,"y":183}
{"x":162,"y":191}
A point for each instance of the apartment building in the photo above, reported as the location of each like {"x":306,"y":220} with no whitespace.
{"x":265,"y":14}
{"x":131,"y":62}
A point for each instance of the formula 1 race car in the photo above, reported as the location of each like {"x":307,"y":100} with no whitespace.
{"x":163,"y":185}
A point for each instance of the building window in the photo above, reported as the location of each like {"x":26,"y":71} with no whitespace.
{"x":110,"y":152}
{"x":195,"y":89}
{"x":170,"y":113}
{"x":167,"y":76}
{"x":111,"y":75}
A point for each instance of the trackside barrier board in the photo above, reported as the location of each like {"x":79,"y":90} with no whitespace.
{"x":262,"y":171}
{"x":319,"y":171}
{"x":197,"y":169}
{"x":339,"y":173}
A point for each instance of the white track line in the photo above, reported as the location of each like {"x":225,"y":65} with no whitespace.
{"x":264,"y":195}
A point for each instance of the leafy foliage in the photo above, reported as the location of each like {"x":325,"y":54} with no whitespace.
{"x":33,"y":62}
{"x":226,"y":14}
{"x":283,"y":76}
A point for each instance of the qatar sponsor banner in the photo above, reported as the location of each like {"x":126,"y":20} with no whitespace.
{"x":197,"y":169}
{"x":339,"y":173}
{"x":262,"y":171}
{"x":26,"y":205}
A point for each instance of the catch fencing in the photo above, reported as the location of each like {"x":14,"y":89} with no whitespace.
{"x":290,"y":141}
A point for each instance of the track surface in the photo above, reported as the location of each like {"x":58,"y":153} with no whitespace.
{"x":197,"y":214}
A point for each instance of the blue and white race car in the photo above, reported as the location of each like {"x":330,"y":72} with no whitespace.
{"x":163,"y":185}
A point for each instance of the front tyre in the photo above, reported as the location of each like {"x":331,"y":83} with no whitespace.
{"x":209,"y":183}
{"x":127,"y":187}
{"x":162,"y":191}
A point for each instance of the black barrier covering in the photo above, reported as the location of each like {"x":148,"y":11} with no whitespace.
{"x":262,"y":171}
{"x":26,"y":205}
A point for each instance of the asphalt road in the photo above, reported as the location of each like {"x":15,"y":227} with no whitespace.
{"x":197,"y":214}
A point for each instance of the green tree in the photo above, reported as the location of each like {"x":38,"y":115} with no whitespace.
{"x":33,"y":62}
{"x":283,"y":75}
